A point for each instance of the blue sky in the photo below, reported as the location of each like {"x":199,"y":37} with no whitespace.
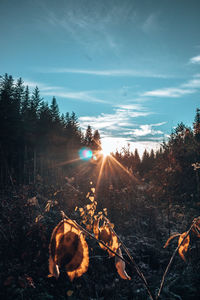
{"x":130,"y":68}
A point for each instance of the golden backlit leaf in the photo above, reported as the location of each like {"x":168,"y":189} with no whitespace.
{"x":105,"y":234}
{"x":88,"y":206}
{"x":91,"y":198}
{"x":184,"y":246}
{"x":120,"y":266}
{"x":171,"y":238}
{"x":93,"y":190}
{"x":68,"y":249}
{"x":82,"y":213}
{"x":38,"y":218}
{"x":91,"y":213}
{"x":105,"y":211}
{"x":53,"y":268}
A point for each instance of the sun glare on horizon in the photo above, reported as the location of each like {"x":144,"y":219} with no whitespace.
{"x":107,"y":147}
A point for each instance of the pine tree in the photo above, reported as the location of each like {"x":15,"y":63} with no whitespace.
{"x":136,"y":160}
{"x":18,"y":94}
{"x":96,"y":140}
{"x":25,"y":103}
{"x":35,"y":99}
{"x":196,"y":125}
{"x":88,"y":136}
{"x":55,"y":111}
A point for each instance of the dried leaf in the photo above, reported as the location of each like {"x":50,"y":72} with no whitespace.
{"x":70,"y":293}
{"x":88,"y":206}
{"x":53,"y":268}
{"x":96,"y":228}
{"x":30,"y":281}
{"x":196,"y":228}
{"x":68,"y":249}
{"x":171,"y":238}
{"x":184,"y":246}
{"x":91,"y":198}
{"x":38,"y":218}
{"x":120,"y":266}
{"x":105,"y":234}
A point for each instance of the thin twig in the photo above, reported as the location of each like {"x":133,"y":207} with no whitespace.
{"x":93,"y":237}
{"x":172,"y":258}
{"x":139,"y":272}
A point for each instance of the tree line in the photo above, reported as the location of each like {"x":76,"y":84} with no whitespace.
{"x":34,"y":136}
{"x":35,"y":139}
{"x":172,"y":172}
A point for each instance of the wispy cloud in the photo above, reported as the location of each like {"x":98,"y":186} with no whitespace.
{"x":119,"y":120}
{"x":82,"y":95}
{"x":43,"y":87}
{"x":57,"y":91}
{"x":169,"y":92}
{"x":190,"y":87}
{"x":120,"y":128}
{"x":147,"y":129}
{"x":193,"y":83}
{"x":195,"y":60}
{"x":90,"y":28}
{"x":112,"y":72}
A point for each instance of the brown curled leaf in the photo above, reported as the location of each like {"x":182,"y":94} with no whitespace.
{"x":171,"y":238}
{"x":184,"y":246}
{"x":120,"y":266}
{"x":105,"y":234}
{"x":68,"y":249}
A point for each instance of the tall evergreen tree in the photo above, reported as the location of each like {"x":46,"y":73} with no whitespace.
{"x":35,"y":99}
{"x":96,"y":140}
{"x":88,"y":136}
{"x":196,"y":125}
{"x":25,"y":103}
{"x":55,"y":111}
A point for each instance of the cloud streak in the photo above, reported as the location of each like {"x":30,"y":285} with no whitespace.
{"x":116,"y":122}
{"x":46,"y":90}
{"x":85,"y":96}
{"x":169,"y":92}
{"x":189,"y":87}
{"x":195,"y":60}
{"x":111,"y":72}
{"x":147,"y":129}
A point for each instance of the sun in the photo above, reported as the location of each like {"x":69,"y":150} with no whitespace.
{"x":105,"y":152}
{"x":107,"y":147}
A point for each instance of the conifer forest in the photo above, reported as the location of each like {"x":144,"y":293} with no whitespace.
{"x":76,"y":224}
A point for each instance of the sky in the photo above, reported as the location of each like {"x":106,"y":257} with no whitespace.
{"x":129,"y":68}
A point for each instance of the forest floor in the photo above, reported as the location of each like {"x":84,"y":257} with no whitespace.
{"x":28,"y":216}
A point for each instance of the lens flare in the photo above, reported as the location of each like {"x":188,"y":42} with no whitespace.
{"x":85,"y":154}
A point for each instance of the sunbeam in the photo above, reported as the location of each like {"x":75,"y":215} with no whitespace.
{"x":67,"y":162}
{"x":100,"y":172}
{"x":124,"y":169}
